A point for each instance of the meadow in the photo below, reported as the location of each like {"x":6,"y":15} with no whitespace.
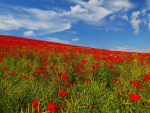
{"x":45,"y":77}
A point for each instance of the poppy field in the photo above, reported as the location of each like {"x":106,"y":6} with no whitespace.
{"x":46,"y":77}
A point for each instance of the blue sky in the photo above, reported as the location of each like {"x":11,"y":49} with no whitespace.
{"x":108,"y":24}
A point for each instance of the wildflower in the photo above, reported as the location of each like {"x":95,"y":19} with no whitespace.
{"x":71,"y":80}
{"x":34,"y":103}
{"x":144,"y":79}
{"x":51,"y":107}
{"x":88,"y":79}
{"x":33,"y":74}
{"x":149,"y":104}
{"x":60,"y":73}
{"x":84,"y":61}
{"x":134,"y":83}
{"x":147,"y":76}
{"x":94,"y":67}
{"x":63,"y":93}
{"x":56,"y":68}
{"x":64,"y":76}
{"x":139,"y":85}
{"x":55,"y":79}
{"x":4,"y":68}
{"x":79,"y":74}
{"x":67,"y":70}
{"x":58,"y":107}
{"x":37,"y":111}
{"x":23,"y":77}
{"x":12,"y":72}
{"x":66,"y":84}
{"x":111,"y":66}
{"x":83,"y":67}
{"x":115,"y":80}
{"x":114,"y":72}
{"x":44,"y":76}
{"x":135,"y":97}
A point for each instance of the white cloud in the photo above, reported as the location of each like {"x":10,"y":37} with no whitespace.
{"x":135,"y":22}
{"x":135,"y":15}
{"x":76,"y":9}
{"x":44,"y":22}
{"x":29,"y":33}
{"x":96,"y":10}
{"x":47,"y":21}
{"x":56,"y":40}
{"x":75,"y":39}
{"x":124,"y":17}
{"x":112,"y":17}
{"x":143,"y":12}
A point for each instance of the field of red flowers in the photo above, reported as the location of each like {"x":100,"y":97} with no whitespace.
{"x":43,"y":77}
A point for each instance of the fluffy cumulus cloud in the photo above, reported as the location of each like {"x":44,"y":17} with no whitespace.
{"x":75,"y":39}
{"x":29,"y":33}
{"x":135,"y":21}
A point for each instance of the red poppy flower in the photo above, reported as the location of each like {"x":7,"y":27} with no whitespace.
{"x":134,"y":83}
{"x":114,"y":72}
{"x":63,"y":93}
{"x":70,"y":80}
{"x":144,"y":79}
{"x":115,"y":80}
{"x":64,"y":76}
{"x":4,"y":68}
{"x":147,"y":76}
{"x":135,"y":97}
{"x":55,"y":79}
{"x":34,"y":103}
{"x":12,"y":72}
{"x":111,"y":66}
{"x":84,"y":61}
{"x":51,"y":107}
{"x":37,"y":111}
{"x":66,"y":84}
{"x":33,"y":74}
{"x":149,"y":104}
{"x":44,"y":76}
{"x":88,"y":79}
{"x":23,"y":77}
{"x":139,"y":85}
